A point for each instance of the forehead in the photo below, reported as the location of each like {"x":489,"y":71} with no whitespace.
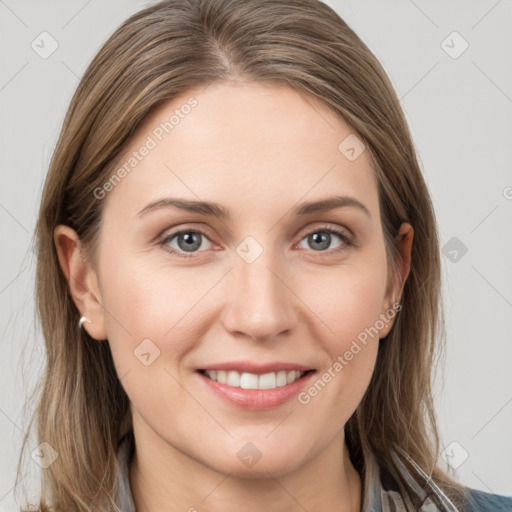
{"x":246,"y":144}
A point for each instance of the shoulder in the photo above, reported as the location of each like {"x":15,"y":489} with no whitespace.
{"x":480,"y":501}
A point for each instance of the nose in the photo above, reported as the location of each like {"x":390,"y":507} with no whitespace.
{"x":259,"y":303}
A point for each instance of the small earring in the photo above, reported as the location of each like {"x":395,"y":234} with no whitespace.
{"x":82,"y":320}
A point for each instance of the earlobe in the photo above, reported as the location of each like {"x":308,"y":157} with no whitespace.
{"x":82,"y":281}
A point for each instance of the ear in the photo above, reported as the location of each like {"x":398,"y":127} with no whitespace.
{"x":404,"y":243}
{"x":82,"y":281}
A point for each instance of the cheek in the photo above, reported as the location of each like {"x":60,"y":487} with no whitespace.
{"x":351,"y":346}
{"x":150,"y":298}
{"x":144,"y":302}
{"x":347,"y":301}
{"x":149,"y":332}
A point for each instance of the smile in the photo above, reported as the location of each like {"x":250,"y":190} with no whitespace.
{"x":255,"y":391}
{"x":247,"y":380}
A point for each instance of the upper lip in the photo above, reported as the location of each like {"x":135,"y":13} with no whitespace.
{"x":257,"y":368}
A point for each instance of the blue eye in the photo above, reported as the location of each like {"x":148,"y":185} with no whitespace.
{"x":322,"y":238}
{"x":186,"y":243}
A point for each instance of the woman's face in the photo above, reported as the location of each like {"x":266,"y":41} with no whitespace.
{"x":264,"y":288}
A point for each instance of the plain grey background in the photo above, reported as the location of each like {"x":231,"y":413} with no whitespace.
{"x":450,"y":64}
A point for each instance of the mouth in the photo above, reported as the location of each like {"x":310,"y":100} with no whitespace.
{"x":255,"y":387}
{"x":247,"y":380}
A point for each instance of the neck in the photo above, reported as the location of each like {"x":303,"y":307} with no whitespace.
{"x":163,"y":478}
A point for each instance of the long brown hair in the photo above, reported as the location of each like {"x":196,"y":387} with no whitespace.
{"x":154,"y":56}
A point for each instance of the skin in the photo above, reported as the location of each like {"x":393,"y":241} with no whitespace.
{"x":258,"y":150}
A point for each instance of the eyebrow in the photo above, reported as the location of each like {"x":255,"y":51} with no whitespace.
{"x":217,"y":210}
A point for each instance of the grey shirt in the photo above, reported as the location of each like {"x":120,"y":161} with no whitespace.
{"x":381,"y":491}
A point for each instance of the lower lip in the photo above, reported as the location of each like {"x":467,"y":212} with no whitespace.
{"x":257,"y":399}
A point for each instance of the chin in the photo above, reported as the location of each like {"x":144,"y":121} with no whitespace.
{"x":255,"y":459}
{"x":262,"y":470}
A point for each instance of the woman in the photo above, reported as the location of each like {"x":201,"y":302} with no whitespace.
{"x":238,"y":275}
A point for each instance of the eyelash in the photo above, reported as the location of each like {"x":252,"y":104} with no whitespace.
{"x":348,"y":241}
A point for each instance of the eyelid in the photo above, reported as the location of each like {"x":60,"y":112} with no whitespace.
{"x":169,"y":235}
{"x":328,"y":227}
{"x":348,"y":238}
{"x":345,"y":234}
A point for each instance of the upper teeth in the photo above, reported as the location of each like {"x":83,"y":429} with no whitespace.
{"x":253,"y":381}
